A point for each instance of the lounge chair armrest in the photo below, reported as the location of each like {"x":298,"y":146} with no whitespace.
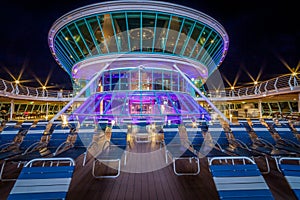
{"x":62,"y":147}
{"x":242,"y":144}
{"x":218,"y":145}
{"x":289,"y":142}
{"x":265,"y":142}
{"x":34,"y":146}
{"x":8,"y":146}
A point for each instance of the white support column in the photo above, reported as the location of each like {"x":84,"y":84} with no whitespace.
{"x":299,"y":102}
{"x":260,"y":108}
{"x":47,"y":110}
{"x":204,"y":97}
{"x":79,"y":94}
{"x":12,"y":109}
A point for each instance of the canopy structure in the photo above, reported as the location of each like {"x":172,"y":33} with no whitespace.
{"x":135,"y":105}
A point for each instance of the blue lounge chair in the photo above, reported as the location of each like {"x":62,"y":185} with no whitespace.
{"x":244,"y":122}
{"x":268,"y":142}
{"x":46,"y":148}
{"x":7,"y":136}
{"x":217,"y":141}
{"x":176,"y":148}
{"x":195,"y":137}
{"x":291,"y":172}
{"x":43,"y":181}
{"x":288,"y":140}
{"x":112,"y":152}
{"x":84,"y":140}
{"x":243,"y":144}
{"x":27,"y":124}
{"x":238,"y":178}
{"x":31,"y":140}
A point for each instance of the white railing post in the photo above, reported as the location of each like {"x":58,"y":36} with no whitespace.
{"x":27,"y":91}
{"x":290,"y":84}
{"x":12,"y":86}
{"x":5,"y":86}
{"x":275,"y":85}
{"x":266,"y":90}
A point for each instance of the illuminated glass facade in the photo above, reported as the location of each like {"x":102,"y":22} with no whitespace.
{"x":142,"y":79}
{"x":150,"y":105}
{"x":143,"y":27}
{"x":137,"y":32}
{"x":147,"y":53}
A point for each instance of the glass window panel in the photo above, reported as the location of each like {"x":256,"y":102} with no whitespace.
{"x":124,"y":80}
{"x":146,"y":78}
{"x":134,"y":30}
{"x":108,"y":32}
{"x":173,"y":33}
{"x":183,"y":35}
{"x":175,"y":81}
{"x":106,"y":81}
{"x":134,"y":76}
{"x":157,"y":80}
{"x":161,"y":31}
{"x":97,"y":32}
{"x":193,"y":40}
{"x":77,"y":38}
{"x":121,"y":30}
{"x":167,"y":81}
{"x":63,"y":43}
{"x":217,"y":44}
{"x":87,"y":36}
{"x":148,"y":31}
{"x":294,"y":106}
{"x":200,"y":42}
{"x":284,"y":106}
{"x":71,"y":42}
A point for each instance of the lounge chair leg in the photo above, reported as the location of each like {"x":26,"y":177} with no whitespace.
{"x":2,"y":169}
{"x":84,"y":158}
{"x":108,"y":176}
{"x":190,"y":160}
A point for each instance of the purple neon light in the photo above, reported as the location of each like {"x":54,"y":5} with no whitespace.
{"x":140,"y":104}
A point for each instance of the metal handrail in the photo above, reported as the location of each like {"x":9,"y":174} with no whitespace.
{"x":281,"y":84}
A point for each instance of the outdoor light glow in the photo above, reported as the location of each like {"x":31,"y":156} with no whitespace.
{"x":232,"y":87}
{"x":294,"y":73}
{"x":44,"y":87}
{"x":255,"y":82}
{"x":17,"y":81}
{"x":64,"y":120}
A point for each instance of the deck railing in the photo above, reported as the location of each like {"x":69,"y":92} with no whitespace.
{"x":282,"y":84}
{"x":11,"y":89}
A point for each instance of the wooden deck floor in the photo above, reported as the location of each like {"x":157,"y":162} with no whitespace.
{"x":156,"y":184}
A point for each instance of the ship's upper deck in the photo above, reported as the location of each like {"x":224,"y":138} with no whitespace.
{"x":134,"y":28}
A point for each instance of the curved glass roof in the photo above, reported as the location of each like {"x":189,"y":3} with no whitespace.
{"x":137,"y":32}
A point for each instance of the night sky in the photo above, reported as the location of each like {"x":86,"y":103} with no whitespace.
{"x":263,"y":34}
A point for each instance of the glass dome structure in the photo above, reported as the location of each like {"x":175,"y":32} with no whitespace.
{"x":135,"y":27}
{"x":136,"y":59}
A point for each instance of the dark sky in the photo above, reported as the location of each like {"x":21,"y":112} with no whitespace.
{"x":262,"y":34}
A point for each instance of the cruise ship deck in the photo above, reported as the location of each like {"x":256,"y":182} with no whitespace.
{"x":148,"y":116}
{"x":158,"y":184}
